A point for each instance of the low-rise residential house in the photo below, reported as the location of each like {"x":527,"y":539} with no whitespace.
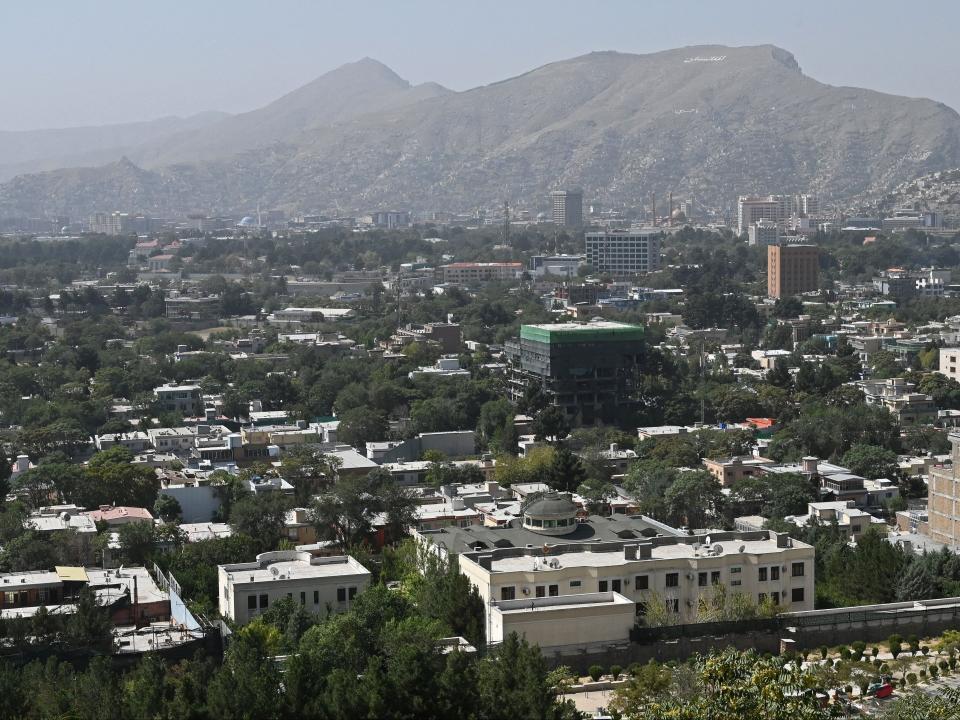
{"x":60,"y":517}
{"x":321,"y":585}
{"x":847,"y":516}
{"x":114,"y":515}
{"x":898,"y":396}
{"x":731,"y":470}
{"x":135,"y":442}
{"x":183,"y":399}
{"x":195,"y":532}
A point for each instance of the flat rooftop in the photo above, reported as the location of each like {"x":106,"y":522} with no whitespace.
{"x":614,"y":556}
{"x":595,"y":529}
{"x":292,"y":565}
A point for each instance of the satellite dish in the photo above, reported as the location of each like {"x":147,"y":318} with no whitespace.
{"x":742,"y":548}
{"x":717,"y":549}
{"x":274,"y":571}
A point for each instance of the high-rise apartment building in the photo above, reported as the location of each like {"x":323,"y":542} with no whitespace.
{"x":763,"y":232}
{"x":623,"y":252}
{"x":567,"y":206}
{"x":943,"y":499}
{"x":590,"y":370}
{"x":808,"y":205}
{"x":792,"y":269}
{"x":775,"y":208}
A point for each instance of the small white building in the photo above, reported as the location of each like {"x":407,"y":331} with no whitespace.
{"x":319,"y":584}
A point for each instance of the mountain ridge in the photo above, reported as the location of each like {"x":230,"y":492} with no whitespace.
{"x":706,"y":122}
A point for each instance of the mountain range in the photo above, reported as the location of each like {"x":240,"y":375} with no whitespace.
{"x":707,"y":123}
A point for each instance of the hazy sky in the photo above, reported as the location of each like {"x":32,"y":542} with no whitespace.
{"x":77,"y":62}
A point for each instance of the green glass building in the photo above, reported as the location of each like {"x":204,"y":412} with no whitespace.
{"x":591,"y":370}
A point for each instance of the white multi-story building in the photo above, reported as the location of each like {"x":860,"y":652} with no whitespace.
{"x":623,"y":252}
{"x":773,"y":208}
{"x":950,"y":362}
{"x":676,"y":570}
{"x":320,"y":584}
{"x":184,"y":399}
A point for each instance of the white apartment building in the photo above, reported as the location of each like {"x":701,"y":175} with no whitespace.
{"x":676,"y":570}
{"x":763,"y":232}
{"x":184,"y":399}
{"x":623,"y":252}
{"x":772,"y":208}
{"x":319,"y":584}
{"x":950,"y":362}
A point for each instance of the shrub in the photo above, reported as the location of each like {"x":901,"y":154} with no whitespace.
{"x":844,"y":653}
{"x":848,"y":689}
{"x":912,"y":678}
{"x":595,"y":672}
{"x":874,"y":651}
{"x":859,"y":647}
{"x":895,"y":641}
{"x":823,"y":652}
{"x":616,"y":671}
{"x":828,"y":662}
{"x":884,"y":668}
{"x":634,"y":668}
{"x":914,"y":643}
{"x":923,"y":674}
{"x":934,"y":671}
{"x":953,"y":663}
{"x":943,"y":665}
{"x":924,"y":649}
{"x":876,"y":663}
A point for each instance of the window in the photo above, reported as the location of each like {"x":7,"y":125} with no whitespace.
{"x":264,"y":601}
{"x":303,"y":598}
{"x":508,"y":593}
{"x":775,"y":573}
{"x":702,"y":579}
{"x":341,"y":595}
{"x":602,"y":586}
{"x":541,"y":591}
{"x":796,"y":595}
{"x":762,"y":574}
{"x":574,"y":583}
{"x":251,"y":602}
{"x":798,"y":569}
{"x":615,"y":585}
{"x":735,"y":570}
{"x":641,"y":582}
{"x":735,"y":583}
{"x":673,"y":579}
{"x":554,"y":590}
{"x":316,"y":597}
{"x":761,"y":597}
{"x":715,"y":577}
{"x":775,"y":596}
{"x":44,"y":595}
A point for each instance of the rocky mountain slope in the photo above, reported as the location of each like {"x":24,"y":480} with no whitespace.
{"x":707,"y":122}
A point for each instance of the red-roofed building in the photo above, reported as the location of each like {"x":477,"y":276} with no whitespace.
{"x":114,"y":516}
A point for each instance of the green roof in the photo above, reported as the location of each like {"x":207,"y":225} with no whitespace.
{"x":581,"y":332}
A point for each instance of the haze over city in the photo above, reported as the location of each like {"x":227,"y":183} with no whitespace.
{"x":479,"y":361}
{"x":68,"y":64}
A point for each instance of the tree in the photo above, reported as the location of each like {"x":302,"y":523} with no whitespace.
{"x":694,"y":499}
{"x":872,"y":462}
{"x":309,"y":470}
{"x":89,"y":626}
{"x":167,"y":508}
{"x":261,"y":516}
{"x":362,"y":425}
{"x":248,"y":685}
{"x":566,"y":472}
{"x":111,"y":479}
{"x":136,"y":541}
{"x":346,"y":511}
{"x":551,"y":423}
{"x":596,"y":491}
{"x":515,"y":677}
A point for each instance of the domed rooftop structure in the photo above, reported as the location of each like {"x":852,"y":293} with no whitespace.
{"x":247,"y":221}
{"x":551,"y":514}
